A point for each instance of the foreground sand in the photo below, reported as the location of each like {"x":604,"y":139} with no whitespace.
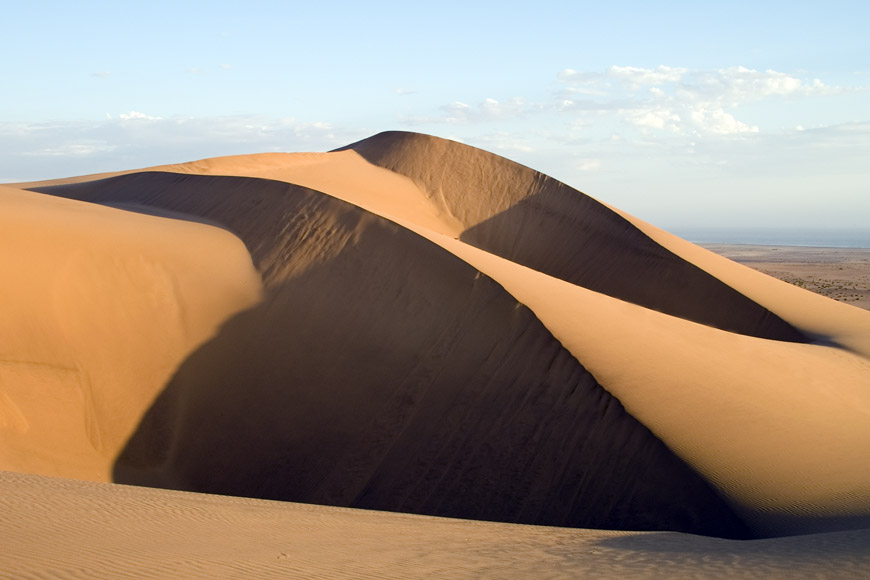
{"x":60,"y":528}
{"x":839,"y":273}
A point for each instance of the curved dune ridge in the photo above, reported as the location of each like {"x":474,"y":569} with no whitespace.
{"x":411,"y":324}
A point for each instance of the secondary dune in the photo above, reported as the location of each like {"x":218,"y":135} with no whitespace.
{"x":99,"y":306}
{"x":443,"y":331}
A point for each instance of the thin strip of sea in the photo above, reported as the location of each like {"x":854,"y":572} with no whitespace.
{"x":814,"y":237}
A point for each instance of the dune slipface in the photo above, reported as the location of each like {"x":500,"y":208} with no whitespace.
{"x":531,"y":219}
{"x":383,"y":372}
{"x":442,"y":331}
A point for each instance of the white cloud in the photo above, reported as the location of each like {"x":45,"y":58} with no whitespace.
{"x":635,"y":77}
{"x":47,"y":150}
{"x":716,"y":120}
{"x":681,"y":100}
{"x":585,"y":90}
{"x":505,"y":143}
{"x":730,"y":83}
{"x":136,"y":115}
{"x":80,"y":149}
{"x":459,"y":112}
{"x":664,"y":99}
{"x":491,"y":109}
{"x":734,"y":86}
{"x":571,"y":76}
{"x":653,"y":118}
{"x":588,"y":164}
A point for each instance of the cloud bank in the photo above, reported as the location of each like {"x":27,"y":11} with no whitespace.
{"x":664,"y":143}
{"x":135,"y":139}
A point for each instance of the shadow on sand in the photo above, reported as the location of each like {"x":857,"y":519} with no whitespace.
{"x":382,"y":372}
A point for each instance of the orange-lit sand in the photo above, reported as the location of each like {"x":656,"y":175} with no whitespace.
{"x":60,"y":528}
{"x":420,"y":326}
{"x":99,"y":306}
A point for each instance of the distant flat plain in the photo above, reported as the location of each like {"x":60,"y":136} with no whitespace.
{"x":839,"y":273}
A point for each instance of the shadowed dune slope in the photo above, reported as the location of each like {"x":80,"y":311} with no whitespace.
{"x":281,"y":236}
{"x":383,"y":372}
{"x":531,"y":219}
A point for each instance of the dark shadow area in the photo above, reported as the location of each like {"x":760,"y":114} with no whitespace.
{"x":382,"y":372}
{"x":842,"y":554}
{"x":393,"y":376}
{"x":571,"y":236}
{"x":825,"y":544}
{"x":536,"y":221}
{"x":278,"y":222}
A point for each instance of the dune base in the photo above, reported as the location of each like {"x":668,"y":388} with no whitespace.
{"x":62,"y":528}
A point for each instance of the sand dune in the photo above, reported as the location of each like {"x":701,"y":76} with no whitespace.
{"x":443,"y":395}
{"x":99,"y":306}
{"x":531,"y":219}
{"x":410,"y":324}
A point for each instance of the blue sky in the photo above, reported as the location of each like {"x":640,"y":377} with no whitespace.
{"x":687,"y":113}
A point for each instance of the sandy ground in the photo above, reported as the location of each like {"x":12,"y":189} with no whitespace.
{"x":839,"y":273}
{"x":116,"y":531}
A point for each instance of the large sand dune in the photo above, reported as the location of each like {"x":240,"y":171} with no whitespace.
{"x":424,"y":327}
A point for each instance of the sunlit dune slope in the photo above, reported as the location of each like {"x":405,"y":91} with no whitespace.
{"x":97,"y":308}
{"x":444,"y":331}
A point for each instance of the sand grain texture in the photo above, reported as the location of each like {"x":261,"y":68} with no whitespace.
{"x":109,"y":530}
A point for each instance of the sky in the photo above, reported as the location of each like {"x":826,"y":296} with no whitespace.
{"x":701,"y":114}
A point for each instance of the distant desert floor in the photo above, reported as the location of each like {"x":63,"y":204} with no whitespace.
{"x":63,"y":528}
{"x":839,"y":273}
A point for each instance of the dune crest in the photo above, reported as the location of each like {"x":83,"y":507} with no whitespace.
{"x":444,"y":331}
